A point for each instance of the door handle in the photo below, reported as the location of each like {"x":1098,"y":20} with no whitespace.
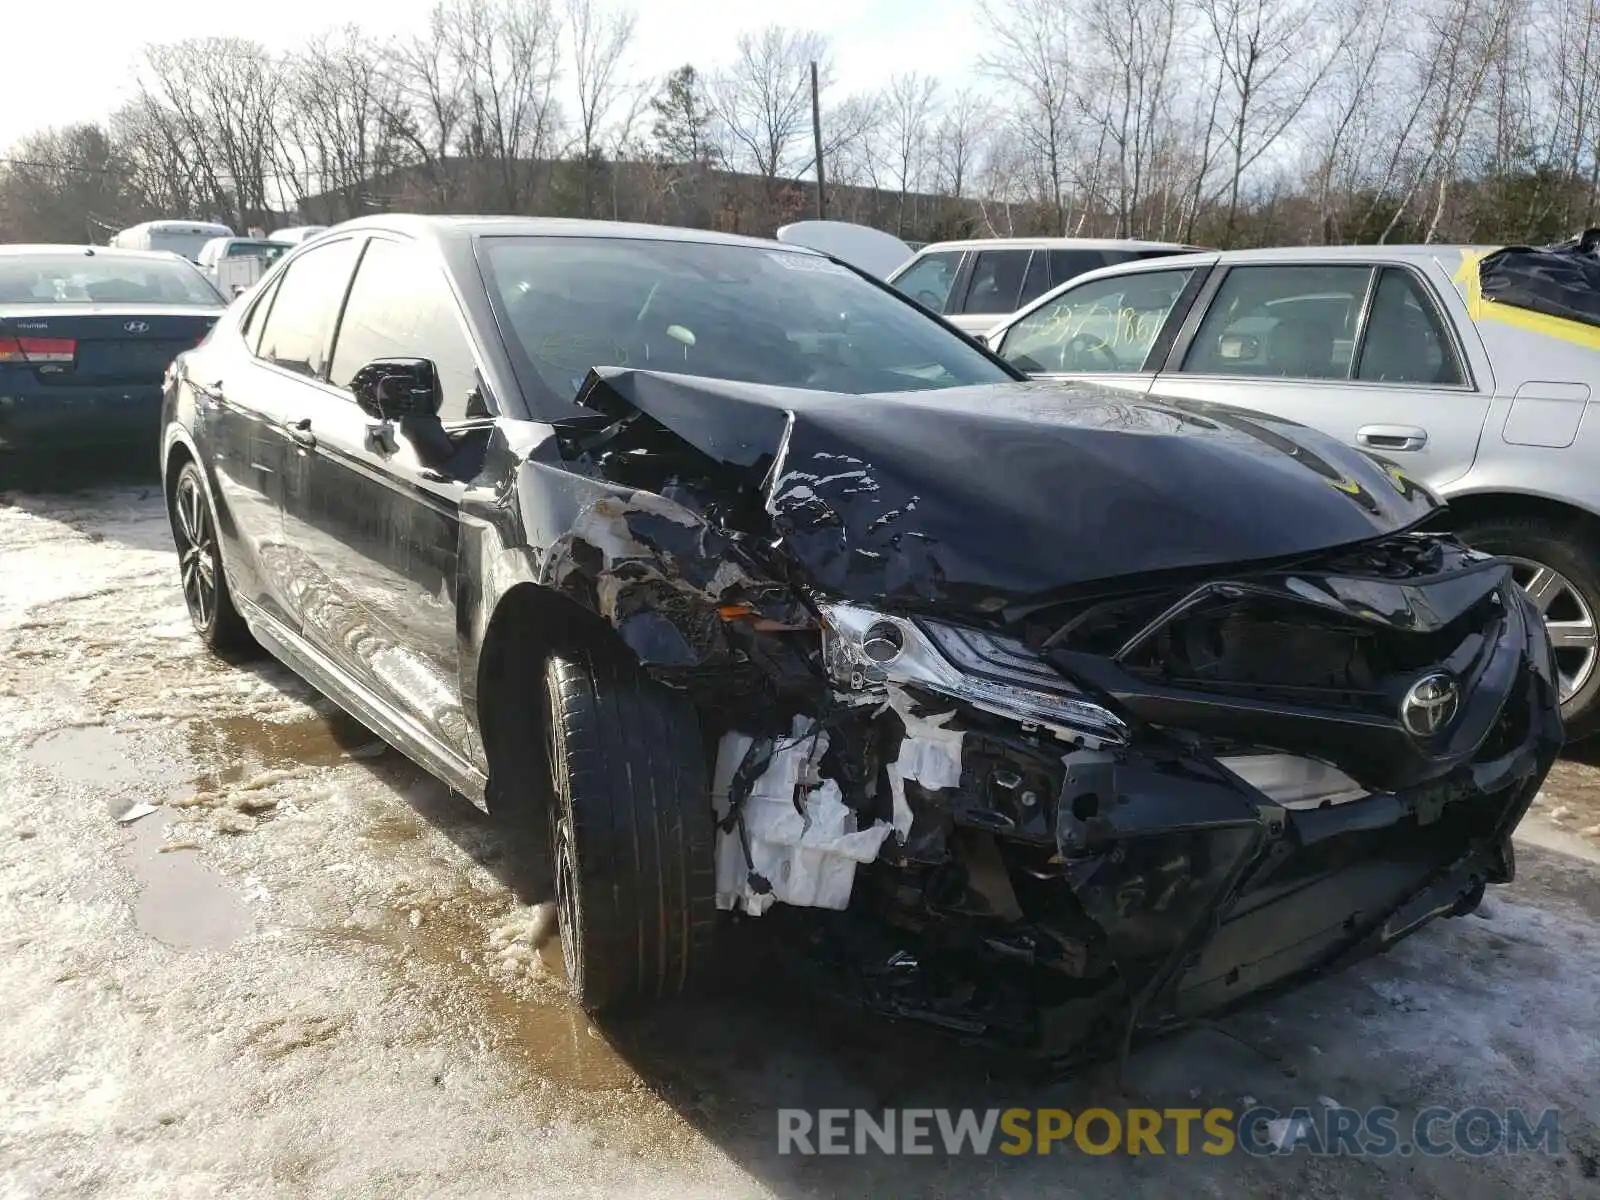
{"x":300,"y":431}
{"x":1392,"y":437}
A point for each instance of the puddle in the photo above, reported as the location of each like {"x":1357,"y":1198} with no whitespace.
{"x":92,"y":754}
{"x":180,"y":901}
{"x":317,"y":741}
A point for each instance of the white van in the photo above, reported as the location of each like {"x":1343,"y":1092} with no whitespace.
{"x":187,"y":238}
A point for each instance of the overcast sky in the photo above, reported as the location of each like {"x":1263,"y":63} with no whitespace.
{"x":72,"y":60}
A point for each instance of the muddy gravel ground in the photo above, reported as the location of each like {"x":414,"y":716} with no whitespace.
{"x":312,"y":971}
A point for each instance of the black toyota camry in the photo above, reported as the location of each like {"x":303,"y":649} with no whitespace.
{"x":1046,"y":713}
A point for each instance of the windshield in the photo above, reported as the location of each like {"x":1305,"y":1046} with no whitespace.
{"x":744,"y":313}
{"x":101,"y":279}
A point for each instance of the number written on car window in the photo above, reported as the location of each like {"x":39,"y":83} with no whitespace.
{"x":1105,"y":325}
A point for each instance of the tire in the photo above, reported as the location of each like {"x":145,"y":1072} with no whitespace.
{"x":1574,"y":557}
{"x":201,"y":573}
{"x":630,"y":833}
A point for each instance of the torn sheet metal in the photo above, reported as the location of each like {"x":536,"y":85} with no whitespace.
{"x":960,"y":497}
{"x":930,"y":756}
{"x":803,"y":840}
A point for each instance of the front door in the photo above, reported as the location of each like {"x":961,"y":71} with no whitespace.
{"x":1358,"y":351}
{"x":1102,"y":331}
{"x":383,"y":525}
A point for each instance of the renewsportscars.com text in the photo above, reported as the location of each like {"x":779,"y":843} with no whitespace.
{"x":1318,"y":1130}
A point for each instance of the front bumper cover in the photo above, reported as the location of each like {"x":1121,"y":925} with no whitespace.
{"x":1202,"y":890}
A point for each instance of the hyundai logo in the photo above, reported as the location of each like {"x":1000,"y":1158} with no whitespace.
{"x":137,"y":327}
{"x":1430,"y":705}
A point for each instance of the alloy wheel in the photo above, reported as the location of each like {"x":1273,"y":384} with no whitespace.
{"x":563,"y":859}
{"x":566,"y":906}
{"x":1568,"y":617}
{"x":197,"y":552}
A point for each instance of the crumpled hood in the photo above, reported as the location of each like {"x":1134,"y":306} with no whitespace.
{"x":985,"y":497}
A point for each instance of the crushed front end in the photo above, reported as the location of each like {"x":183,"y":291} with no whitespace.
{"x":1061,"y":742}
{"x":1113,"y":815}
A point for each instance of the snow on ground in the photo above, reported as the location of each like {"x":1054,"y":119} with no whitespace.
{"x":313,"y":971}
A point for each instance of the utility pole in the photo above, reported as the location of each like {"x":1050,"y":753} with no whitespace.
{"x":816,"y":141}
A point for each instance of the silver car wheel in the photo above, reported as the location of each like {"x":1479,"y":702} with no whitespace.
{"x":1568,"y":618}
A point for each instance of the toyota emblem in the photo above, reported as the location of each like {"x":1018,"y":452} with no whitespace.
{"x":1430,"y":705}
{"x":137,"y":327}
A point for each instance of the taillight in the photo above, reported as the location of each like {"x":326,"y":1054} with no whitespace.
{"x":37,"y":350}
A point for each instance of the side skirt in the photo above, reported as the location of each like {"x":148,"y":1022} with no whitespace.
{"x":397,"y":729}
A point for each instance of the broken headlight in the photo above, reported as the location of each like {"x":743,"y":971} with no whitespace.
{"x":867,"y":650}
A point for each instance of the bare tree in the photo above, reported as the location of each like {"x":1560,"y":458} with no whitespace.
{"x":763,"y":98}
{"x":599,"y":41}
{"x":957,"y":140}
{"x":1032,"y":56}
{"x":224,"y":95}
{"x":164,"y":170}
{"x":476,"y":100}
{"x":1352,"y":92}
{"x":1131,"y":46}
{"x":341,"y":138}
{"x":64,"y":185}
{"x":910,"y":102}
{"x":1271,"y":64}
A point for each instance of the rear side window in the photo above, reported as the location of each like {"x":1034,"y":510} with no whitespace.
{"x":401,"y":307}
{"x":300,"y":323}
{"x":1037,"y":280}
{"x":1291,"y":322}
{"x":1406,"y":340}
{"x":256,"y":319}
{"x":928,"y":280}
{"x":996,"y":285}
{"x":1069,"y":264}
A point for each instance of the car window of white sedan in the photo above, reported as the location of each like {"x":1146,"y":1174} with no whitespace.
{"x":928,"y":280}
{"x":1104,"y":325}
{"x":1290,"y":321}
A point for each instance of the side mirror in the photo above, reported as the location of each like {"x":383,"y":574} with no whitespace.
{"x":981,"y":338}
{"x":392,"y":389}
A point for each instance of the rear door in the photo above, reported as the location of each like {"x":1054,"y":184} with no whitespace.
{"x":1359,"y":350}
{"x":380,"y":525}
{"x":287,"y":337}
{"x":247,"y":457}
{"x":992,"y":287}
{"x":1111,"y":331}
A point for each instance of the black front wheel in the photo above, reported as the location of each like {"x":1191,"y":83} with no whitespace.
{"x":630,"y":832}
{"x":200,"y":571}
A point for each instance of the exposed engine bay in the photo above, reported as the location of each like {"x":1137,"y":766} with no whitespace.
{"x":1050,"y":770}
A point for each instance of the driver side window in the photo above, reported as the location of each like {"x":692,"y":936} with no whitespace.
{"x":1106,"y":326}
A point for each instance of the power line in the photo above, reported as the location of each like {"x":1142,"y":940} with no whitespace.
{"x":78,"y":167}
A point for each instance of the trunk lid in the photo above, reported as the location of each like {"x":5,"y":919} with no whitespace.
{"x":84,"y":345}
